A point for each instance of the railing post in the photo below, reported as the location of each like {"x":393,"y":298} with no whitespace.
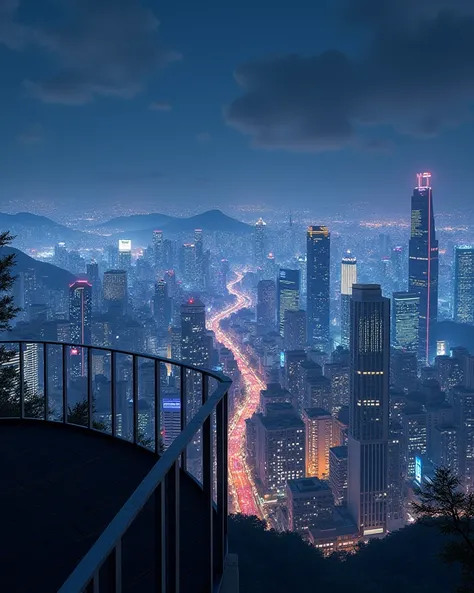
{"x":160,"y":537}
{"x":64,"y":369}
{"x":113,"y":395}
{"x":90,"y":400}
{"x":157,"y":406}
{"x":221,"y":452}
{"x":22,"y":380}
{"x":135,"y":398}
{"x":45,"y":380}
{"x":184,"y":411}
{"x":115,"y":568}
{"x":207,"y":479}
{"x":172,"y":527}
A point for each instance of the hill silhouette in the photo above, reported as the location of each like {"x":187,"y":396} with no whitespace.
{"x":26,"y":225}
{"x":51,"y":276}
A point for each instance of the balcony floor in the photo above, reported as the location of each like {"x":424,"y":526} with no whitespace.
{"x":60,"y":487}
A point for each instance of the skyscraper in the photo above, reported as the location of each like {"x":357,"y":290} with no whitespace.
{"x":158,"y":249}
{"x":317,"y":278}
{"x":348,"y":278}
{"x":294,"y":330}
{"x":288,"y":294}
{"x":199,"y":250}
{"x":260,"y":243}
{"x":80,"y":311}
{"x":405,"y":321}
{"x":116,"y":291}
{"x":194,"y":348}
{"x":92,"y":270}
{"x":464,"y":284}
{"x":162,"y":306}
{"x":423,"y":263}
{"x":266,"y":304}
{"x":189,"y":265}
{"x":125,"y":254}
{"x":369,"y":409}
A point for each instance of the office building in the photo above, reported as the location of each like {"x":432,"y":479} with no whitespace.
{"x":194,"y":347}
{"x":338,"y":374}
{"x":270,"y":268}
{"x":280,"y":448}
{"x":321,"y":433}
{"x":464,"y":284}
{"x":318,"y":392}
{"x":395,"y":507}
{"x":317,"y":289}
{"x":80,"y":311}
{"x":93,"y":276}
{"x":189,"y":268}
{"x":348,"y":278}
{"x":273,"y":394}
{"x":158,"y":250}
{"x":463,"y":404}
{"x":413,"y":438}
{"x":293,"y":359}
{"x":423,"y":264}
{"x":267,"y":305}
{"x":405,"y":321}
{"x":338,"y":473}
{"x":308,"y":501}
{"x":124,"y":254}
{"x":199,"y":250}
{"x":115,"y":291}
{"x":369,"y":408}
{"x":444,"y":447}
{"x":171,"y":418}
{"x":294,"y":330}
{"x":288,"y":292}
{"x":162,"y":306}
{"x":260,"y":250}
{"x":404,"y":370}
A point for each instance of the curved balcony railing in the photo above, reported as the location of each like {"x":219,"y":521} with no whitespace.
{"x":128,"y":396}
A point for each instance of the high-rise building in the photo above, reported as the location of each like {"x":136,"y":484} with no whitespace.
{"x":222,"y":278}
{"x":115,"y":291}
{"x":338,"y":473}
{"x":321,"y":433}
{"x":423,"y":263}
{"x":189,"y":265}
{"x":413,"y":437}
{"x":369,"y":408}
{"x":80,"y":311}
{"x":158,"y":250}
{"x":270,"y":269}
{"x":260,"y":243}
{"x":125,"y":254}
{"x":266,"y":304}
{"x":294,"y":330}
{"x":309,"y":500}
{"x":463,"y":403}
{"x":162,"y":306}
{"x":199,"y":249}
{"x":464,"y":284}
{"x":317,"y":291}
{"x":194,"y":348}
{"x":348,"y":278}
{"x":288,"y":295}
{"x":398,"y":267}
{"x":405,"y":321}
{"x":92,"y":270}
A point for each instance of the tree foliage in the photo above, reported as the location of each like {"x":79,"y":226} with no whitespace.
{"x":444,"y":503}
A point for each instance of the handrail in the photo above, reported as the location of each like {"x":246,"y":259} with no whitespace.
{"x":162,"y":481}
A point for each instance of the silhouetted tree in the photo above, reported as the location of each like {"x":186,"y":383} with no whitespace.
{"x":444,"y":503}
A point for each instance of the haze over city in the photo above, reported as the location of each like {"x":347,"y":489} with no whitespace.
{"x":237,"y":296}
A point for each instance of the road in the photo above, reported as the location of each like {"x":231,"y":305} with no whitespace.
{"x":244,"y":493}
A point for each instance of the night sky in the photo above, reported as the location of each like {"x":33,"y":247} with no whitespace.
{"x":316,"y":103}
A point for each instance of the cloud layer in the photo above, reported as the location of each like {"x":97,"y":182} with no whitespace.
{"x":415,"y":76}
{"x":103,"y":48}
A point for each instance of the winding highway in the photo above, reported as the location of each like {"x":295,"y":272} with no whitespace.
{"x":244,"y":494}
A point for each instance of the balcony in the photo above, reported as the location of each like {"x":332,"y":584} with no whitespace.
{"x":114,"y":472}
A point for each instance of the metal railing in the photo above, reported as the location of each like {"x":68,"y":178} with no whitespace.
{"x":162,"y":483}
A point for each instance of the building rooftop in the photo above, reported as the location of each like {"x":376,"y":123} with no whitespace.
{"x":316,"y":412}
{"x":339,"y":452}
{"x":281,"y":422}
{"x":304,"y":485}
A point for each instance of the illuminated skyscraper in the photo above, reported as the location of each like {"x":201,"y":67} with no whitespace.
{"x":260,"y":243}
{"x":94,"y":278}
{"x":294,"y":329}
{"x":405,"y":321}
{"x":158,"y":249}
{"x":369,"y":409}
{"x":317,"y":292}
{"x":288,"y":295}
{"x":80,"y":311}
{"x":162,"y":306}
{"x":321,"y":433}
{"x":115,"y":291}
{"x":423,"y":263}
{"x":464,"y":284}
{"x":125,"y":254}
{"x":189,"y":264}
{"x":266,"y":304}
{"x":270,"y":270}
{"x":199,"y":250}
{"x":348,"y":278}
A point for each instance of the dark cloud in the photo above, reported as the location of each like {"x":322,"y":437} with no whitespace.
{"x":103,"y":48}
{"x":160,"y":106}
{"x":31,"y":135}
{"x":416,"y":78}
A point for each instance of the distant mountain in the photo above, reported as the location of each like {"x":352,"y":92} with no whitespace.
{"x":137,"y":222}
{"x":27,"y":226}
{"x":141,"y":226}
{"x":52,"y":277}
